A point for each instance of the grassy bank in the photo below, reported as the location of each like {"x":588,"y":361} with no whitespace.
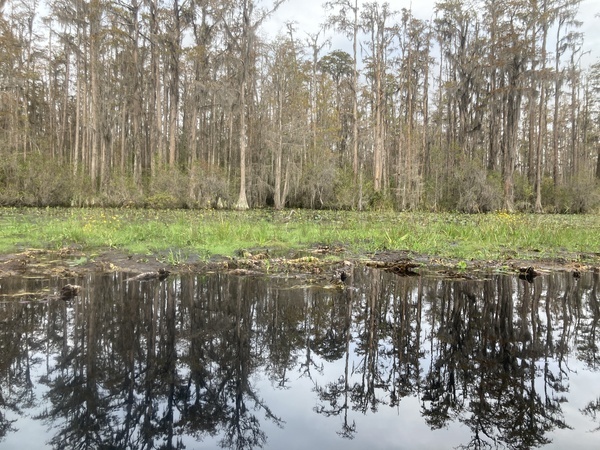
{"x":181,"y":234}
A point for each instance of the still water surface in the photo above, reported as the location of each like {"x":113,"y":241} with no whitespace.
{"x":216,"y":360}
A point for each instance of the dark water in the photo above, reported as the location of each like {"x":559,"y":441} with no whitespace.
{"x":242,"y":362}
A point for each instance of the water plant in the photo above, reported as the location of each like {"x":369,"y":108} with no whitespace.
{"x":179,"y":234}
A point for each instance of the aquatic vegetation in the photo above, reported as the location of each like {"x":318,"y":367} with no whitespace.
{"x":180,"y":234}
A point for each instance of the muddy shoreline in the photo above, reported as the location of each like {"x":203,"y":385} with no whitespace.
{"x":317,"y":263}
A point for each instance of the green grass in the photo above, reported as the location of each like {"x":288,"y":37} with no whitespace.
{"x":179,"y":234}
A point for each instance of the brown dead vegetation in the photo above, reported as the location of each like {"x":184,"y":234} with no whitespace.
{"x":320,"y":263}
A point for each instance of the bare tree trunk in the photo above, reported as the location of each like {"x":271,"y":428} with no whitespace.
{"x":277,"y":197}
{"x":246,"y":45}
{"x":355,"y":163}
{"x":574,"y":110}
{"x":242,"y":202}
{"x":316,"y":48}
{"x":137,"y":136}
{"x":155,"y":147}
{"x":513,"y":107}
{"x":94,"y":17}
{"x":541,"y":139}
{"x":346,"y":19}
{"x":374,"y":21}
{"x":557,"y":88}
{"x":78,"y":106}
{"x":598,"y":162}
{"x":174,"y":51}
{"x":378,"y":150}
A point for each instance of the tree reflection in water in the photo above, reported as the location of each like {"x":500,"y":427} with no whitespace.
{"x":146,"y":365}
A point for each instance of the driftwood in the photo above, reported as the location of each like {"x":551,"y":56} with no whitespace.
{"x":160,"y":275}
{"x":402,"y":268}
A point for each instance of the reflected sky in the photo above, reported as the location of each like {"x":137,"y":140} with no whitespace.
{"x":216,"y":360}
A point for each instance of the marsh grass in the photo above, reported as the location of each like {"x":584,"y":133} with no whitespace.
{"x":179,"y":234}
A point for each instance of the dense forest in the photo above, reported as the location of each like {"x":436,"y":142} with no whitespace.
{"x":190,"y":103}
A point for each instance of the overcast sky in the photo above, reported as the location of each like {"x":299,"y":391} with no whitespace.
{"x":309,"y":14}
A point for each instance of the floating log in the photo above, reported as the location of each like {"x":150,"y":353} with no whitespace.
{"x":404,"y":268}
{"x":160,"y":275}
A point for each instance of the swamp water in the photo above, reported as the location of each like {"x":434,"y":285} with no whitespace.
{"x":216,"y":360}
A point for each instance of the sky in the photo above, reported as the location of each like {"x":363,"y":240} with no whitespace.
{"x":309,"y":14}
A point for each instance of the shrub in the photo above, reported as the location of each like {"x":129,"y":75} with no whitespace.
{"x":167,"y":188}
{"x":381,"y":201}
{"x":207,"y":187}
{"x":162,"y":200}
{"x":524,"y":193}
{"x":316,"y":188}
{"x":345,"y":191}
{"x":121,"y":190}
{"x":477,"y":192}
{"x":578,"y":196}
{"x":44,"y":182}
{"x":9,"y":189}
